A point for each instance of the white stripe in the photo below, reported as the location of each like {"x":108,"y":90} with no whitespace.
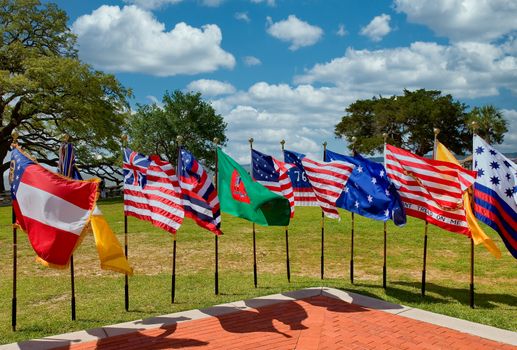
{"x":51,"y":210}
{"x":198,"y":209}
{"x":403,"y":187}
{"x":154,"y":216}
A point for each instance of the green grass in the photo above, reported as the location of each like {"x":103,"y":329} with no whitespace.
{"x":44,"y":294}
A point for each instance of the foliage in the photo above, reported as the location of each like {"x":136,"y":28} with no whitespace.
{"x":153,"y":130}
{"x":490,"y":123}
{"x":45,"y":91}
{"x":408,"y":120}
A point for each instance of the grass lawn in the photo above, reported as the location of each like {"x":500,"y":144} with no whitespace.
{"x":44,"y":294}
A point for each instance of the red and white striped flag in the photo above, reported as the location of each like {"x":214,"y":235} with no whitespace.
{"x":151,"y":191}
{"x":328,"y":179}
{"x":431,"y":190}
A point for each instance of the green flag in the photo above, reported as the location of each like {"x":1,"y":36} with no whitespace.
{"x":241,"y":196}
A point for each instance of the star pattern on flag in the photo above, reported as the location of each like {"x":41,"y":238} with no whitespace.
{"x":370,"y":199}
{"x":480,"y":150}
{"x":359,"y":169}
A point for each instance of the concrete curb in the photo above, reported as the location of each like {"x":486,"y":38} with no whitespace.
{"x":488,"y":332}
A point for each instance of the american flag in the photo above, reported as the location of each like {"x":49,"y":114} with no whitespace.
{"x":303,"y":194}
{"x":328,"y":179}
{"x":198,"y":193}
{"x":431,"y":190}
{"x":151,"y":191}
{"x":495,"y":192}
{"x":273,"y":174}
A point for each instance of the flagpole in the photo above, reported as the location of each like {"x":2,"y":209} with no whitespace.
{"x":254,"y":242}
{"x":126,"y":279}
{"x":353,"y":228}
{"x":384,"y":268}
{"x":179,"y":140}
{"x":323,"y":223}
{"x":474,"y":129}
{"x":282,"y":142}
{"x":15,"y":251}
{"x":216,"y":273}
{"x":72,"y":272}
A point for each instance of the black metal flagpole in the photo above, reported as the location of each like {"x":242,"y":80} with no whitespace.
{"x":474,"y":127}
{"x":254,"y":241}
{"x":15,"y":250}
{"x":126,"y":279}
{"x":323,"y":224}
{"x":216,"y":273}
{"x":352,"y":230}
{"x":286,"y":238}
{"x":384,"y":268}
{"x":179,"y":140}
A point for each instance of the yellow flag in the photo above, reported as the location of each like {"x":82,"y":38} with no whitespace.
{"x":478,"y":235}
{"x":110,"y":251}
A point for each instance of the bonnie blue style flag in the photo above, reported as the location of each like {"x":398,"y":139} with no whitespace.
{"x":304,"y":195}
{"x":200,"y":199}
{"x":495,"y":192}
{"x":368,"y":191}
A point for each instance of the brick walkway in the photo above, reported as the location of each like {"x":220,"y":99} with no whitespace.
{"x":317,"y":322}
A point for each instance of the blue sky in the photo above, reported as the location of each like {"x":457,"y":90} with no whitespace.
{"x":286,"y":69}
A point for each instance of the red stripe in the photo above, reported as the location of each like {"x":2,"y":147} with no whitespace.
{"x":149,"y":197}
{"x":453,"y":228}
{"x":489,"y":199}
{"x":158,"y":224}
{"x":492,"y":216}
{"x":153,"y":209}
{"x":425,"y":204}
{"x":414,"y":183}
{"x":79,"y":193}
{"x":207,"y":225}
{"x":51,"y":244}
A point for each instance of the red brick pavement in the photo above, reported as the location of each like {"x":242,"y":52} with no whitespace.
{"x":314,"y":323}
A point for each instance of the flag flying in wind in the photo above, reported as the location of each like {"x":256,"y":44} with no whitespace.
{"x":495,"y":192}
{"x":303,"y":194}
{"x":273,"y":174}
{"x":431,"y":190}
{"x":151,"y":191}
{"x":478,"y":235}
{"x":199,"y":196}
{"x":369,"y":192}
{"x":108,"y":247}
{"x":247,"y":199}
{"x":53,"y":210}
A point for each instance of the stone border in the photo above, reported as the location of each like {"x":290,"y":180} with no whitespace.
{"x":480,"y":330}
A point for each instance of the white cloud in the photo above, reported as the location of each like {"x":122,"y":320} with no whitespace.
{"x":132,"y":40}
{"x":242,"y":16}
{"x":212,"y":3}
{"x":341,"y":30}
{"x":510,"y":138}
{"x":152,"y":4}
{"x":211,"y":87}
{"x":471,"y":20}
{"x":295,"y":31}
{"x":378,"y":28}
{"x":466,"y":70}
{"x":251,"y":61}
{"x":271,"y":3}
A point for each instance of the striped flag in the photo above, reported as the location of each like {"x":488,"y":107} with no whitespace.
{"x":273,"y":174}
{"x":328,"y":179}
{"x":431,"y":190}
{"x":54,"y":211}
{"x":200,"y":199}
{"x":151,"y":191}
{"x":495,"y":192}
{"x":304,"y":196}
{"x":66,"y":163}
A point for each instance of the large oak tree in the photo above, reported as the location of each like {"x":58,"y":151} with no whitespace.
{"x":46,"y":91}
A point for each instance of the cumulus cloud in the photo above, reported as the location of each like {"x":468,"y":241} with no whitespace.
{"x":341,"y":30}
{"x":378,"y":28}
{"x":242,"y":16}
{"x":131,"y":39}
{"x":510,"y":138}
{"x":152,"y":4}
{"x":463,"y":20}
{"x":211,"y":87}
{"x":271,"y":3}
{"x":295,"y":31}
{"x":251,"y":61}
{"x":466,"y":70}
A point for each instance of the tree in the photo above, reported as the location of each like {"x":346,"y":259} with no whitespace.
{"x":408,"y":120}
{"x":491,"y":124}
{"x":153,"y":130}
{"x":45,"y":91}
